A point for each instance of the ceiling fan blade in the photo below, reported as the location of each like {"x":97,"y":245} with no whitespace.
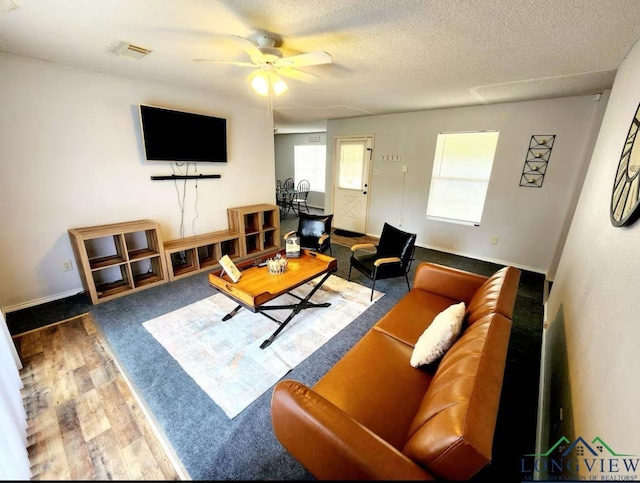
{"x":312,"y":58}
{"x":256,"y":55}
{"x":242,"y":64}
{"x":297,"y":74}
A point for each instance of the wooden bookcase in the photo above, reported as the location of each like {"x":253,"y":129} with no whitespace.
{"x":119,"y":259}
{"x":190,"y":255}
{"x":259,"y":228}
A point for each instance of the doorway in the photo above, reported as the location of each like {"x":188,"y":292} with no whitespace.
{"x":352,"y":176}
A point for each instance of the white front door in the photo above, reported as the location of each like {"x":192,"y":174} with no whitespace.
{"x":352,"y":162}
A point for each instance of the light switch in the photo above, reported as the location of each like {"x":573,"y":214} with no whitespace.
{"x":405,"y":168}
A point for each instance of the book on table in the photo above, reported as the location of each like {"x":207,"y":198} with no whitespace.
{"x":230,"y":268}
{"x":292,"y":246}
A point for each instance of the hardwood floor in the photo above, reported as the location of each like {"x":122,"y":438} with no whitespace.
{"x":84,"y":420}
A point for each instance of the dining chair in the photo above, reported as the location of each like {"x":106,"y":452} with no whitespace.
{"x":300,"y":197}
{"x":284,"y":197}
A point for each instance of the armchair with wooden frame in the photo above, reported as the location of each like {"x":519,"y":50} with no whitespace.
{"x":314,"y":232}
{"x":390,"y":258}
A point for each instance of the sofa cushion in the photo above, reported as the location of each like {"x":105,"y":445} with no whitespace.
{"x":412,"y":314}
{"x":438,"y":336}
{"x":375,"y":385}
{"x":490,"y":297}
{"x":452,"y":432}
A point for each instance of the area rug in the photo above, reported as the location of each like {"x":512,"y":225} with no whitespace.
{"x":224,"y":357}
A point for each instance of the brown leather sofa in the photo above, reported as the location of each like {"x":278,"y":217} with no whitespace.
{"x":374,"y":416}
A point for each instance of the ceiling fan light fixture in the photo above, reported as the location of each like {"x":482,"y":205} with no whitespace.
{"x":260,"y":82}
{"x":279,"y":86}
{"x":264,"y":82}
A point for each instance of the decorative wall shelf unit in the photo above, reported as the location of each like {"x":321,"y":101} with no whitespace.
{"x":119,"y":259}
{"x":190,"y":255}
{"x":259,"y":229}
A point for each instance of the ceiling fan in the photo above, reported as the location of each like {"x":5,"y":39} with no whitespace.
{"x":270,"y":64}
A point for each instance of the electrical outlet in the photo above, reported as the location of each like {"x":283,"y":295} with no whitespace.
{"x":494,"y":240}
{"x":67,"y":266}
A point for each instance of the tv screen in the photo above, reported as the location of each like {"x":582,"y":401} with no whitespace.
{"x":171,"y":135}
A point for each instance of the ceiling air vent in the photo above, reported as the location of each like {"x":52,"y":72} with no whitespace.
{"x":125,"y":49}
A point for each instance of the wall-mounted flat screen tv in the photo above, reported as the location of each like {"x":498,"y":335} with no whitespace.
{"x":173,"y":135}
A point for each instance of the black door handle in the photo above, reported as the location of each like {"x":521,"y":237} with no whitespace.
{"x":364,"y":192}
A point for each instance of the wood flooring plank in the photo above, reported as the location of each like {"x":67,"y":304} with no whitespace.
{"x":107,"y":457}
{"x":30,"y":344}
{"x":121,"y":419}
{"x":47,"y":456}
{"x":140,"y":461}
{"x":93,"y":419}
{"x":154,"y":443}
{"x":78,"y":458}
{"x":84,"y":421}
{"x":83,"y":380}
{"x":71,"y":333}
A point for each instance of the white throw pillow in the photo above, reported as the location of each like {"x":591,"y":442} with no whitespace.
{"x":439,"y":336}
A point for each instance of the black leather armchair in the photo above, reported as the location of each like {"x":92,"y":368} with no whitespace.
{"x":390,"y":258}
{"x":314,"y":232}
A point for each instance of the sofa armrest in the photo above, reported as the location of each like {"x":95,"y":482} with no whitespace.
{"x":446,"y":281}
{"x":332,"y":445}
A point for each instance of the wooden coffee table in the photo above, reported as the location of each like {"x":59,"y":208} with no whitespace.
{"x":257,"y":286}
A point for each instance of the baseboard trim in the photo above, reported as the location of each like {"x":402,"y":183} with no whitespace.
{"x":43,"y":300}
{"x":484,"y":259}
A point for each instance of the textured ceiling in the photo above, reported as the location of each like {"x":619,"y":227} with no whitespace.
{"x":388,"y":55}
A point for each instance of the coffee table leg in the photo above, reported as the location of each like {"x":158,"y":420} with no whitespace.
{"x":268,"y":342}
{"x":304,"y":304}
{"x":232,"y":313}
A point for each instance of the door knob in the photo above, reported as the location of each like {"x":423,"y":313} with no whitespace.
{"x":364,"y":192}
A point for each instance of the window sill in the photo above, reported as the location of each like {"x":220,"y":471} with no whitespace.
{"x":451,"y":220}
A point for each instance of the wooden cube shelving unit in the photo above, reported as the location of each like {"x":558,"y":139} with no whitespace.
{"x":190,"y":255}
{"x":259,"y":228}
{"x":119,"y":259}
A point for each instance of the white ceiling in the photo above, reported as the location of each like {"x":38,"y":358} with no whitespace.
{"x":388,"y":55}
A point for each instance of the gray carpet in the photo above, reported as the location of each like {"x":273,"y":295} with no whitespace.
{"x":212,"y":447}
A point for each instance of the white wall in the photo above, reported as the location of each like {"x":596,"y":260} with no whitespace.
{"x":71,"y":156}
{"x":592,"y":308}
{"x":527,"y":221}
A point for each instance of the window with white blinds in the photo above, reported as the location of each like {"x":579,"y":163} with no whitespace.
{"x":309,"y":162}
{"x":461,"y":173}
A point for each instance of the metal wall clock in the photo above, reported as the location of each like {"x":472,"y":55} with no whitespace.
{"x":625,"y":196}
